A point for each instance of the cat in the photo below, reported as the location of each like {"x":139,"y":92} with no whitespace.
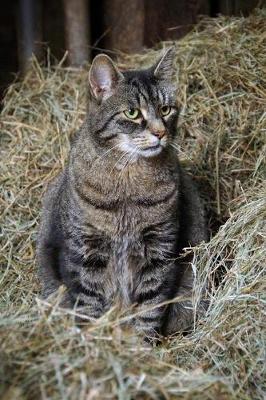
{"x":116,"y":219}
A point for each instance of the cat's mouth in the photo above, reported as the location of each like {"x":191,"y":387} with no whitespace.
{"x":151,"y":151}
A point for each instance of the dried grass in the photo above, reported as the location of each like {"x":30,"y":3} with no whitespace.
{"x":222,"y":141}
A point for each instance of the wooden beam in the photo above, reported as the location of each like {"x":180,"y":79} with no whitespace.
{"x":124,"y":25}
{"x":76,"y":14}
{"x":29,"y":31}
{"x":171,"y":19}
{"x":238,"y":7}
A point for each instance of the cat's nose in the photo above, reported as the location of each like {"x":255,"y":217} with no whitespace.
{"x":159,"y":134}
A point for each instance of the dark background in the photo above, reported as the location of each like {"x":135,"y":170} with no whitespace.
{"x":86,"y":27}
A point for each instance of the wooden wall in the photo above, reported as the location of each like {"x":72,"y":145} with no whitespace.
{"x":85,"y":27}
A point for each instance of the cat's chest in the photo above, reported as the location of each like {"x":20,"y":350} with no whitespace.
{"x":129,"y":217}
{"x":124,"y":206}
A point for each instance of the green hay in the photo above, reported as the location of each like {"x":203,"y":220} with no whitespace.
{"x":221,"y":140}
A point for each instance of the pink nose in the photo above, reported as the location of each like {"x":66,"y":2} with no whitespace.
{"x":159,"y":134}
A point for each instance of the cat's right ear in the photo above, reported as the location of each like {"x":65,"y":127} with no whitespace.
{"x":103,"y":77}
{"x":164,"y":69}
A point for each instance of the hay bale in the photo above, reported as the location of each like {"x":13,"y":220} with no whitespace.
{"x":222,"y":141}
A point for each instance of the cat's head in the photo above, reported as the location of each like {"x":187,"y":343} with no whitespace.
{"x":134,"y":112}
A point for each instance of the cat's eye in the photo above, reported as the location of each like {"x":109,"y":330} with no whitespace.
{"x":165,"y":110}
{"x":132,"y":113}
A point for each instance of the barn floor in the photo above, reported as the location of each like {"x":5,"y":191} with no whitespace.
{"x":221,"y":140}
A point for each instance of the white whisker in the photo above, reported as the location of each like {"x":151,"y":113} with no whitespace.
{"x":130,"y":158}
{"x":120,"y":159}
{"x":106,"y":152}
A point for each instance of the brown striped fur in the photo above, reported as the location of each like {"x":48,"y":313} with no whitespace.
{"x":115,"y":220}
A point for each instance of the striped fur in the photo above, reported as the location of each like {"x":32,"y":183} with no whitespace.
{"x":115,"y":220}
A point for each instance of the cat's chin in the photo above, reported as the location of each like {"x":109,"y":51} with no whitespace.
{"x":150,"y":151}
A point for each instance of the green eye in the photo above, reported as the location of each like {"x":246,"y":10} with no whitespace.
{"x":165,"y":110}
{"x":132,"y":113}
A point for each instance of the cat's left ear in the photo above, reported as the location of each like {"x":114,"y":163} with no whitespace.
{"x":164,"y":68}
{"x":103,"y":77}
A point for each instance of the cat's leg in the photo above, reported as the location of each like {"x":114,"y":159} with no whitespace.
{"x":47,"y":261}
{"x":183,"y":313}
{"x":85,"y":277}
{"x":152,"y":290}
{"x":49,"y":243}
{"x":48,"y":251}
{"x":153,"y":280}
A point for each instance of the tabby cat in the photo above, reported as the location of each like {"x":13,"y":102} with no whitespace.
{"x":116,"y":219}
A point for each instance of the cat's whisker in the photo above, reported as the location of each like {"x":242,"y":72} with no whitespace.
{"x":130,"y":158}
{"x":105,"y":153}
{"x":141,"y":142}
{"x":133,"y":153}
{"x":121,"y":173}
{"x":124,"y":154}
{"x":119,"y":159}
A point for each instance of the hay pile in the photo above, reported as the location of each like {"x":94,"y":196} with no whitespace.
{"x":222,"y":141}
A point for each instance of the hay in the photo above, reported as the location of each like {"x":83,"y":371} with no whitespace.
{"x":222,"y":141}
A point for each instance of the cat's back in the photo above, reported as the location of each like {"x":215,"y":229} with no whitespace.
{"x":51,"y":208}
{"x":54,"y":191}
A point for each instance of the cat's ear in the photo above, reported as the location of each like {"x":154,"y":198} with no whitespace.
{"x":164,"y":68}
{"x":103,"y":77}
